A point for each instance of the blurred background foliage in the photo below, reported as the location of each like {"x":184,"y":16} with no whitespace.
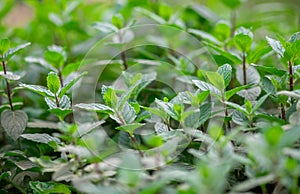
{"x":70,"y":24}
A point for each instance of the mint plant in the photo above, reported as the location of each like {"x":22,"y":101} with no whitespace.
{"x":13,"y":121}
{"x":218,"y":113}
{"x":54,"y":95}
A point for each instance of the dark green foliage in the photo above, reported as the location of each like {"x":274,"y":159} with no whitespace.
{"x":144,"y":96}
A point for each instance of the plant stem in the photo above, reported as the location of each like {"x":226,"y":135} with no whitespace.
{"x":123,"y":53}
{"x":60,"y":78}
{"x":132,"y":138}
{"x":226,"y":113}
{"x":3,"y":138}
{"x":136,"y":145}
{"x":232,"y":21}
{"x":291,"y":76}
{"x":57,"y":101}
{"x":244,"y":69}
{"x":7,"y":86}
{"x":124,"y":60}
{"x":15,"y":186}
{"x":295,"y":185}
{"x":283,"y":113}
{"x":19,"y":144}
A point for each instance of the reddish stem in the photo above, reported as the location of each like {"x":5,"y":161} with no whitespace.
{"x":244,"y":69}
{"x":7,"y":87}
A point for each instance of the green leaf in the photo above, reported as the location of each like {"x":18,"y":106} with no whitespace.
{"x":232,"y":3}
{"x":237,"y":107}
{"x":205,"y":36}
{"x":138,"y":85}
{"x":294,"y":118}
{"x":276,"y":46}
{"x":61,"y":113}
{"x":248,"y":106}
{"x":109,"y":96}
{"x":11,"y":52}
{"x":14,"y":122}
{"x":260,"y":52}
{"x":10,"y":76}
{"x":203,"y":86}
{"x":4,"y":46}
{"x":70,"y":68}
{"x":290,"y":137}
{"x":117,"y":21}
{"x":192,"y":120}
{"x":294,"y":37}
{"x":225,"y":54}
{"x":58,"y":49}
{"x":198,"y":98}
{"x":25,"y":165}
{"x":128,"y":113}
{"x":53,"y":82}
{"x":254,"y":182}
{"x":239,"y":118}
{"x":69,"y":84}
{"x":95,"y":107}
{"x":273,"y":135}
{"x":205,"y":113}
{"x":5,"y":175}
{"x":42,"y":62}
{"x":196,"y":119}
{"x":216,"y":79}
{"x":54,"y":58}
{"x":168,"y":108}
{"x":222,"y":31}
{"x":162,"y":114}
{"x":251,"y":93}
{"x":289,"y":93}
{"x":243,"y":39}
{"x":48,"y":187}
{"x":40,"y":138}
{"x":269,"y":70}
{"x":252,"y":76}
{"x":105,"y":27}
{"x":230,"y":93}
{"x":129,"y":128}
{"x":225,"y":71}
{"x":260,"y":102}
{"x":41,"y":90}
{"x":268,"y":86}
{"x":64,"y":102}
{"x":151,"y":15}
{"x":270,"y":118}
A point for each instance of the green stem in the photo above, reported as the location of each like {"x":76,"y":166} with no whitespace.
{"x":132,"y":138}
{"x":232,"y":21}
{"x":295,"y":187}
{"x":60,"y":78}
{"x":19,"y":144}
{"x":291,"y":74}
{"x":283,"y":112}
{"x":226,"y":112}
{"x":123,"y":53}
